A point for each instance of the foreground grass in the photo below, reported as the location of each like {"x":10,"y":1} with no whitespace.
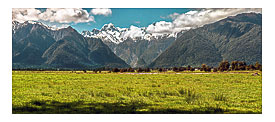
{"x":66,"y":92}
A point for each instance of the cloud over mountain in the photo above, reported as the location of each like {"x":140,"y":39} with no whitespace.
{"x":60,"y":26}
{"x":201,"y":17}
{"x":195,"y":18}
{"x":192,"y":19}
{"x":160,"y":27}
{"x":25,"y":14}
{"x":101,"y":11}
{"x":133,"y":32}
{"x":61,"y":15}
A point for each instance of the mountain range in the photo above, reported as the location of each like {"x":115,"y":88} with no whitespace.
{"x":134,"y":45}
{"x":234,"y":38}
{"x":36,"y":45}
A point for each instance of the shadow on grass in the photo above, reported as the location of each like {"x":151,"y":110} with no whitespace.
{"x":55,"y":107}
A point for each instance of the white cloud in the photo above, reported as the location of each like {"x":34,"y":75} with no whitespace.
{"x":60,"y":26}
{"x":194,"y":19}
{"x":161,"y":27}
{"x":191,"y":12}
{"x":133,"y":32}
{"x":67,"y":15}
{"x":201,"y":17}
{"x":174,"y":15}
{"x":101,"y":11}
{"x":61,"y":15}
{"x":25,"y":14}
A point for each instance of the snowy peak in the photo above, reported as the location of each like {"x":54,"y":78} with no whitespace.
{"x":109,"y":27}
{"x":87,"y":33}
{"x":16,"y":25}
{"x":95,"y":31}
{"x":38,"y":23}
{"x":110,"y":33}
{"x":15,"y":22}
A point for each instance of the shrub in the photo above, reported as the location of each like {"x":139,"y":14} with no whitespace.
{"x":203,"y":67}
{"x":147,"y":70}
{"x":215,"y":70}
{"x":258,"y":66}
{"x":160,"y":69}
{"x":130,"y":70}
{"x":224,"y":66}
{"x":175,"y":69}
{"x":181,"y":69}
{"x":140,"y":70}
{"x":188,"y":67}
{"x":207,"y":69}
{"x":115,"y":70}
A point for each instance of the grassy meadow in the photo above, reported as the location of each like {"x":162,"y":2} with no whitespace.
{"x":184,"y":92}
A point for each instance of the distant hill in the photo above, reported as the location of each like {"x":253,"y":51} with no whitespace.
{"x":37,"y":46}
{"x":234,"y":38}
{"x":132,"y":52}
{"x":132,"y":49}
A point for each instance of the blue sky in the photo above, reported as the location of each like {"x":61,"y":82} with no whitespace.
{"x":167,"y":20}
{"x":125,"y":17}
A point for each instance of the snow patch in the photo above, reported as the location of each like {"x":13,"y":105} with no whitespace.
{"x":117,"y":35}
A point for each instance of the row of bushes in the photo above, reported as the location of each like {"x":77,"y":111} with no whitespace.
{"x":238,"y":65}
{"x":223,"y":66}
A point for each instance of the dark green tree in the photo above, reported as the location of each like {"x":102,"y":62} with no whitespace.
{"x":224,"y":66}
{"x":258,"y":66}
{"x":115,"y":70}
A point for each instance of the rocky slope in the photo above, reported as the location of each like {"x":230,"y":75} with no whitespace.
{"x":234,"y":38}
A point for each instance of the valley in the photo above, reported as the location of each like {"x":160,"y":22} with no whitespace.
{"x":60,"y":92}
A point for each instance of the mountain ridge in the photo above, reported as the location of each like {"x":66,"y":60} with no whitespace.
{"x":133,"y":44}
{"x":230,"y":39}
{"x":37,"y":46}
{"x":233,"y":38}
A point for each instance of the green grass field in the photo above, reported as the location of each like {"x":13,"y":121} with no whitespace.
{"x":67,"y":92}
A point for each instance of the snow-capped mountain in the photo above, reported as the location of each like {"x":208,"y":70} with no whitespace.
{"x":35,"y":45}
{"x":110,"y":33}
{"x":134,"y":45}
{"x":17,"y":25}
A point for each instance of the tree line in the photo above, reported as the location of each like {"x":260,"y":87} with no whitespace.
{"x":223,"y":66}
{"x":238,"y":66}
